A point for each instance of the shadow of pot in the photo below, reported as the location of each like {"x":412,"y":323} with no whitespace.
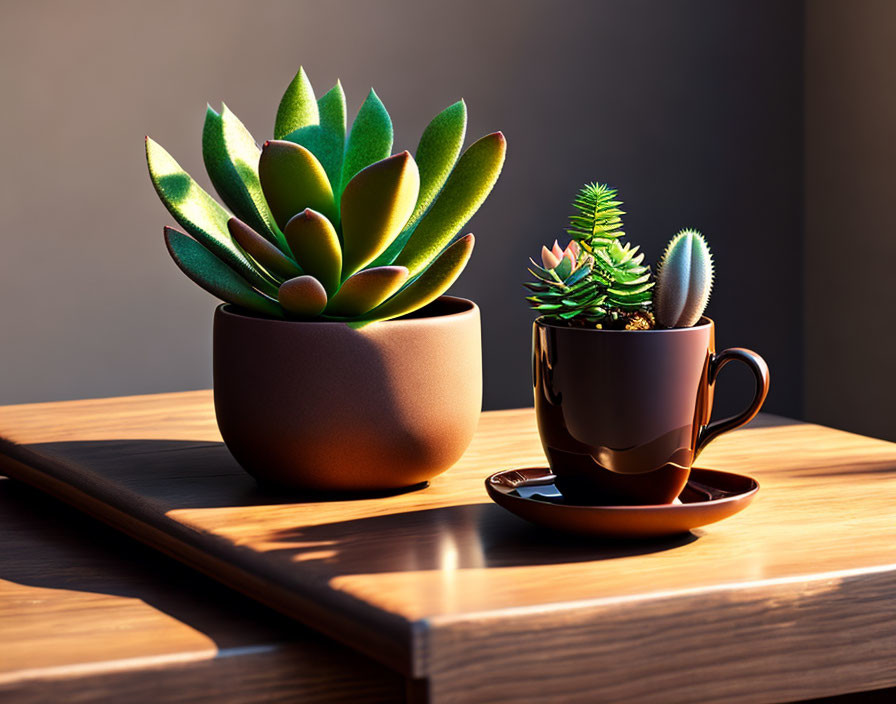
{"x":320,"y":406}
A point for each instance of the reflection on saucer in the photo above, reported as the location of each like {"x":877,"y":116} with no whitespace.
{"x":710,"y":496}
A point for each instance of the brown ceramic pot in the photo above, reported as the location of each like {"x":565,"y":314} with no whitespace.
{"x":320,"y":406}
{"x":623,"y":414}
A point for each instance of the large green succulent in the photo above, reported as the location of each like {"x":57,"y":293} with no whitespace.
{"x":325,"y":223}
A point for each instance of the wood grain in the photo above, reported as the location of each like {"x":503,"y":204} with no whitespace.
{"x":792,"y":597}
{"x":89,"y":615}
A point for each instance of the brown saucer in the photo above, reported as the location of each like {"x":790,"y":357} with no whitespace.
{"x":709,"y":496}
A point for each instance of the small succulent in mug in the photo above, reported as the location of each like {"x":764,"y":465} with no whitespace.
{"x":564,"y":286}
{"x":600,"y":282}
{"x":325,"y":223}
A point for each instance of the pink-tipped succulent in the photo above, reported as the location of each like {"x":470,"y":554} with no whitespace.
{"x":551,"y":258}
{"x":324,"y":224}
{"x":564,"y":286}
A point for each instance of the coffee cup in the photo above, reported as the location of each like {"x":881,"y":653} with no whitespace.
{"x":623,"y":414}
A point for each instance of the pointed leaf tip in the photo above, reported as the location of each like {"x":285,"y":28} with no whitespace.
{"x":376,"y":205}
{"x":198,"y":213}
{"x":315,"y":245}
{"x":231,"y":159}
{"x":437,"y":152}
{"x":298,"y":107}
{"x":467,"y":187}
{"x":370,"y":139}
{"x":431,"y":284}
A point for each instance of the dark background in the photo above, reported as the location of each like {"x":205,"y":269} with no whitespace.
{"x":767,"y":125}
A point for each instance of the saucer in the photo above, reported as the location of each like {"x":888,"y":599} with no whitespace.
{"x":709,"y":496}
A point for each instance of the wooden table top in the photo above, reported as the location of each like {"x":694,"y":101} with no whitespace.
{"x":87,"y":614}
{"x":791,"y":599}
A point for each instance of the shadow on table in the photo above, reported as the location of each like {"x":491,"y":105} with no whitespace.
{"x":856,"y":469}
{"x":49,"y":545}
{"x":174,"y":475}
{"x":460,"y":537}
{"x":178,"y":473}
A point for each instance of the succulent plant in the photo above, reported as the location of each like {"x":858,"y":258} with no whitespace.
{"x":597,"y":280}
{"x":598,"y":220}
{"x":565,"y":288}
{"x":683,"y":281}
{"x":326,"y":223}
{"x":597,"y":227}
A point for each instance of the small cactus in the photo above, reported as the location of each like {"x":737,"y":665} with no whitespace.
{"x":683,"y":281}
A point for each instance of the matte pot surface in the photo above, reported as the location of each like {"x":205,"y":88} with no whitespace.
{"x":320,"y":406}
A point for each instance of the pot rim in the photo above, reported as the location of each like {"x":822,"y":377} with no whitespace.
{"x":704,"y":322}
{"x":466,"y":308}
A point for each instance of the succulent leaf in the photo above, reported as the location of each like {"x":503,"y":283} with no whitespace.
{"x":303,"y":296}
{"x":683,"y":281}
{"x":567,"y":291}
{"x":628,"y":283}
{"x":436,"y":155}
{"x":369,"y":141}
{"x":366,"y":290}
{"x":331,"y":107}
{"x":231,"y":160}
{"x":437,"y":152}
{"x":315,"y":244}
{"x":209,"y":272}
{"x":598,"y":219}
{"x":549,"y":258}
{"x":293,"y":179}
{"x":466,"y":189}
{"x":327,"y":139}
{"x":262,"y":251}
{"x":376,"y":204}
{"x":198,"y":213}
{"x":297,"y":108}
{"x":428,"y":286}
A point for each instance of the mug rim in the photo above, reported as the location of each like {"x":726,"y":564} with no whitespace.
{"x":701,"y":324}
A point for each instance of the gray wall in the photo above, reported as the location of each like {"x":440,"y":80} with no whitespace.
{"x":693,"y":109}
{"x":850,"y":215}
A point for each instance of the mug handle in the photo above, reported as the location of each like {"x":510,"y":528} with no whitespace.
{"x":760,"y":370}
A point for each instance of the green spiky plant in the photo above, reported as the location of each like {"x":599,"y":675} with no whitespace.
{"x":605,"y":283}
{"x":683,"y":281}
{"x":325,"y":223}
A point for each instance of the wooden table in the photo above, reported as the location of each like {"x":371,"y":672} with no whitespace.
{"x":792,"y":599}
{"x":89,"y":615}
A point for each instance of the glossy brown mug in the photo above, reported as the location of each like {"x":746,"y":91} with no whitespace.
{"x":623,"y":414}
